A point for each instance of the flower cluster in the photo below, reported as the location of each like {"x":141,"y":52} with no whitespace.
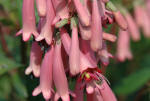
{"x":70,"y":41}
{"x":140,"y":20}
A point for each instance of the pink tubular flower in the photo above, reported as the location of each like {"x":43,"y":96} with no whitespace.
{"x":28,"y":15}
{"x":145,"y":23}
{"x":46,"y":76}
{"x":133,"y":28}
{"x":87,"y":51}
{"x":66,"y":40}
{"x":142,"y":19}
{"x":85,"y":31}
{"x":102,"y":9}
{"x":41,"y":7}
{"x":47,"y":29}
{"x":83,"y":13}
{"x":35,"y":60}
{"x":74,"y":54}
{"x":137,"y":14}
{"x":61,"y":9}
{"x":148,"y":6}
{"x":123,"y":46}
{"x":96,"y":27}
{"x":119,"y":18}
{"x":109,"y":37}
{"x":59,"y":75}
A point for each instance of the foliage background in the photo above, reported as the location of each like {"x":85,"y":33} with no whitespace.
{"x":129,"y":80}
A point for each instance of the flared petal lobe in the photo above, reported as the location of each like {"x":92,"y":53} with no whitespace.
{"x":47,"y":29}
{"x":35,"y":60}
{"x":29,"y":24}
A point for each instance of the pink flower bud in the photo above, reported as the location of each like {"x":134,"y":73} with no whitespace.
{"x":133,"y":29}
{"x":109,"y":37}
{"x":59,"y":76}
{"x":138,"y":15}
{"x":29,"y":26}
{"x":47,"y":29}
{"x":74,"y":54}
{"x":148,"y":6}
{"x":145,"y":23}
{"x":96,"y":27}
{"x":119,"y":18}
{"x":35,"y":60}
{"x":41,"y":7}
{"x":46,"y":75}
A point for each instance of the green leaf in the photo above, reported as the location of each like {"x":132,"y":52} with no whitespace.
{"x":7,"y":64}
{"x":133,"y":82}
{"x":19,"y":86}
{"x":5,"y":87}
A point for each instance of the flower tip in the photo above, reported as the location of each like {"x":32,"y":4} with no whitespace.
{"x":18,"y":33}
{"x":65,"y":97}
{"x":36,"y":72}
{"x":26,"y":36}
{"x":105,"y":63}
{"x":36,"y":91}
{"x":90,"y":89}
{"x":46,"y":94}
{"x":28,"y":70}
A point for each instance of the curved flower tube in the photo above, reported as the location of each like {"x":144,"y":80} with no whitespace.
{"x":46,"y":76}
{"x":59,"y":76}
{"x":123,"y":46}
{"x":96,"y":27}
{"x":74,"y":54}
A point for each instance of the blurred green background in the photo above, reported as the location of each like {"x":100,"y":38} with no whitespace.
{"x":129,"y":80}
